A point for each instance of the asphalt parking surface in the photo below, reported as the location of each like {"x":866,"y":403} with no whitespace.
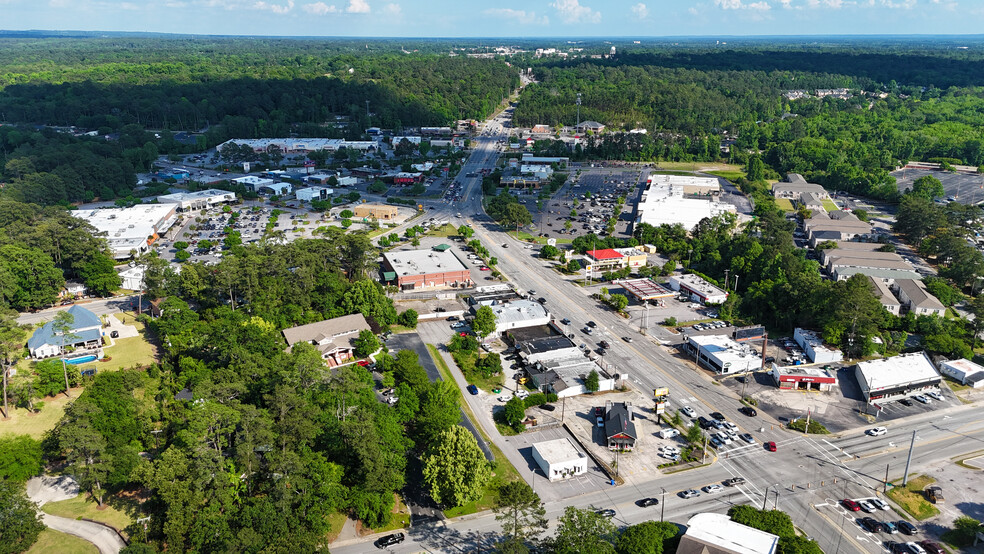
{"x":965,"y":188}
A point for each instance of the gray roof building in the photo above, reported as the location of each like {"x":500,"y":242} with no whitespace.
{"x":334,"y":338}
{"x":914,"y":296}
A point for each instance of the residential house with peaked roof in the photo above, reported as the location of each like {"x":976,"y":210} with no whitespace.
{"x":333,"y":338}
{"x":85,"y":334}
{"x":620,"y":431}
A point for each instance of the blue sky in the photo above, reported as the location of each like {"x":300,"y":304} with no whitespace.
{"x":470,"y":18}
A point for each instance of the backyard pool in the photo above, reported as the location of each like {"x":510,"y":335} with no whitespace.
{"x":82,"y":360}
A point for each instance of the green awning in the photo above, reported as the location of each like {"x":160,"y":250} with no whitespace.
{"x":389,"y":276}
{"x":442,"y":247}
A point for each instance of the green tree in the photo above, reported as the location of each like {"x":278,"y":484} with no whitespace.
{"x":484,"y":322}
{"x":591,"y":382}
{"x":232,"y":238}
{"x":455,"y":469}
{"x":20,"y":457}
{"x":549,"y":252}
{"x":798,"y":545}
{"x":573,"y":266}
{"x":182,"y":256}
{"x":346,"y":214}
{"x":62,"y":326}
{"x":439,"y":410}
{"x":408,"y":318}
{"x":755,"y":169}
{"x":366,"y":343}
{"x":695,"y":436}
{"x":515,"y":412}
{"x":647,"y":537}
{"x":99,"y":274}
{"x":12,"y":338}
{"x":21,"y":521}
{"x":519,"y":511}
{"x":618,"y":302}
{"x":30,"y":278}
{"x":927,"y":187}
{"x":465,"y":231}
{"x":583,"y":532}
{"x":85,"y":447}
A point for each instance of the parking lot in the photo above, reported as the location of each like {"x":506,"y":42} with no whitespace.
{"x":961,"y":187}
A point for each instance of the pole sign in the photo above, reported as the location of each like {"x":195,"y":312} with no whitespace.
{"x":245,"y":167}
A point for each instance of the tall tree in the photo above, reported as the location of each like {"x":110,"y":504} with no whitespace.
{"x":455,"y":469}
{"x":583,"y":532}
{"x":484,"y":322}
{"x":520,"y":511}
{"x":21,"y":521}
{"x":12,"y":337}
{"x":62,"y":325}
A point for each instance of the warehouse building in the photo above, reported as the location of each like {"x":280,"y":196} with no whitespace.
{"x":812,"y":344}
{"x":897,"y":377}
{"x":559,"y":459}
{"x":665,"y":202}
{"x":131,"y":229}
{"x":424,"y":269}
{"x":198,"y":200}
{"x":721,"y":354}
{"x":698,"y":289}
{"x":800,"y":377}
{"x":382,"y":212}
{"x":965,"y":371}
{"x":916,"y":299}
{"x":691,"y":185}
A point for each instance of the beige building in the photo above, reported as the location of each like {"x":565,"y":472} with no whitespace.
{"x":381,"y":212}
{"x":916,"y":299}
{"x":885,"y":296}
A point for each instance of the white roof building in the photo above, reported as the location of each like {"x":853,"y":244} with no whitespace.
{"x":518,"y":314}
{"x":253,"y":182}
{"x":812,"y":343}
{"x":691,"y":184}
{"x":896,"y":377}
{"x":314,"y":193}
{"x":698,"y":289}
{"x":664,"y":202}
{"x":721,"y":354}
{"x":130,"y":229}
{"x":299,"y":145}
{"x":198,"y":200}
{"x":711,"y":533}
{"x":965,"y":371}
{"x":559,"y":459}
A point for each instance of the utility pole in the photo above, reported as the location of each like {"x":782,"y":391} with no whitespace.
{"x":806,"y":430}
{"x":908,"y":460}
{"x":578,"y":127}
{"x":776,"y":505}
{"x":662,"y":503}
{"x":765,"y":498}
{"x":726,"y":281}
{"x":885,"y":483}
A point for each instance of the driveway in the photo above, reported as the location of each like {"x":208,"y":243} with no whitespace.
{"x":52,"y":489}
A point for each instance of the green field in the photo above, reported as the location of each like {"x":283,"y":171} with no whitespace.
{"x":829,"y":205}
{"x":129,"y":352}
{"x":22,"y":422}
{"x":911,"y":498}
{"x":785,"y":204}
{"x":83,"y":506}
{"x":55,"y":541}
{"x":732,"y":175}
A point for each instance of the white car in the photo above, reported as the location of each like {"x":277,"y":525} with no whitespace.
{"x":935,"y":395}
{"x":921,"y":399}
{"x":522,"y":394}
{"x":878,"y":503}
{"x":876,"y":431}
{"x":711,"y":489}
{"x":689,"y":412}
{"x":866,"y":506}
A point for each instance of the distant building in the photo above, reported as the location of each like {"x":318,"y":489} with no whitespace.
{"x":407,"y":178}
{"x":721,"y":354}
{"x":308,"y":194}
{"x":424,"y":269}
{"x":84,"y":337}
{"x":916,"y":299}
{"x":812,"y":344}
{"x":644,"y":289}
{"x":131,"y":229}
{"x":796,"y":189}
{"x":518,"y":314}
{"x":716,"y":534}
{"x":198,"y":200}
{"x":540,"y":129}
{"x":698,"y":289}
{"x":666,"y":201}
{"x":382,"y":212}
{"x":559,"y":459}
{"x":965,"y":371}
{"x":801,"y":377}
{"x":333,"y":338}
{"x":897,"y":377}
{"x":592,"y":126}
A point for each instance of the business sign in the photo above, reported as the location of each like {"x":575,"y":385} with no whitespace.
{"x":660,"y":408}
{"x":663,"y":391}
{"x":245,"y":167}
{"x":551,"y":242}
{"x":749,"y":333}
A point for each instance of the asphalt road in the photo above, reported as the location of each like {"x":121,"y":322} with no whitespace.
{"x":102,"y":306}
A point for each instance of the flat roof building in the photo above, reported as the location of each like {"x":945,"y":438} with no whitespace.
{"x":563,"y":373}
{"x":131,"y":229}
{"x":309,"y":194}
{"x":721,"y":354}
{"x":644,"y":289}
{"x":559,"y":459}
{"x":198,"y":200}
{"x":382,"y":212}
{"x":916,"y":299}
{"x":253,"y":183}
{"x":518,"y":314}
{"x":812,"y":344}
{"x":897,"y":377}
{"x":607,"y":259}
{"x":424,"y":269}
{"x":665,"y":202}
{"x":534,"y":350}
{"x":692,"y":185}
{"x":298,"y":145}
{"x":634,"y":257}
{"x":800,"y":377}
{"x":698,"y":289}
{"x":716,"y":534}
{"x":965,"y":371}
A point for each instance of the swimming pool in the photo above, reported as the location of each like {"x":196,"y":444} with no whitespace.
{"x":82,"y":360}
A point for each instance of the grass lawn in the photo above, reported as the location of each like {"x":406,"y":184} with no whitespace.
{"x":785,"y":204}
{"x":527,"y":237}
{"x":911,"y":499}
{"x":335,"y":522}
{"x":829,"y":205}
{"x":22,"y":422}
{"x":83,"y":506}
{"x":955,"y":385}
{"x":444,"y":231}
{"x":55,"y":541}
{"x":136,"y":351}
{"x":466,"y":362}
{"x":699,"y":166}
{"x":673,"y":172}
{"x":731,"y":175}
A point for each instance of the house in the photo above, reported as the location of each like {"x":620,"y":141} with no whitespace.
{"x":620,"y":431}
{"x":73,"y":289}
{"x":796,"y":189}
{"x":837,"y":226}
{"x":592,"y":126}
{"x":916,"y":299}
{"x":83,"y":336}
{"x":885,"y":296}
{"x":559,"y":459}
{"x":712,"y":533}
{"x":334,"y":338}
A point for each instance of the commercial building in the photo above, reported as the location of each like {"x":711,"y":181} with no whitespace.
{"x":559,"y":459}
{"x":382,"y":212}
{"x":592,"y":126}
{"x":836,"y":226}
{"x":314,"y":193}
{"x":884,"y":294}
{"x":518,"y":314}
{"x":633,"y":257}
{"x":520,"y":182}
{"x":440,"y":131}
{"x":800,"y":377}
{"x":644,"y":289}
{"x":698,"y":289}
{"x":711,"y":533}
{"x":409,"y":138}
{"x":620,"y":431}
{"x":132,"y":278}
{"x":333,"y":338}
{"x":348,"y":181}
{"x":721,"y":354}
{"x":541,"y":348}
{"x":198,"y":200}
{"x":897,"y":377}
{"x":916,"y":299}
{"x":665,"y":202}
{"x":407,"y":178}
{"x":608,"y":259}
{"x":131,"y":229}
{"x":965,"y":371}
{"x":424,"y":269}
{"x":253,"y":183}
{"x":796,"y":189}
{"x":540,"y":172}
{"x":84,"y":337}
{"x":298,"y":145}
{"x":493,"y":294}
{"x":691,"y":185}
{"x":563,"y":373}
{"x":812,"y":344}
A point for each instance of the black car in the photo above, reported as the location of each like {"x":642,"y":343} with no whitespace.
{"x":390,"y":540}
{"x":453,"y":318}
{"x":896,"y":547}
{"x":592,"y":324}
{"x":906,"y":528}
{"x":748,"y":410}
{"x":718,"y":416}
{"x":541,"y":300}
{"x":647,"y":502}
{"x":704,"y":422}
{"x":905,"y":402}
{"x":548,"y":407}
{"x":565,"y":321}
{"x":870,"y":524}
{"x":607,"y":512}
{"x":604,"y":344}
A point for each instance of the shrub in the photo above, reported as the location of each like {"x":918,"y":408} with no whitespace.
{"x":670,"y":322}
{"x":816,"y":428}
{"x":536,"y":400}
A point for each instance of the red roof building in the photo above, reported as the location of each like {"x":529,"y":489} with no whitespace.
{"x":600,"y":261}
{"x":605,"y":254}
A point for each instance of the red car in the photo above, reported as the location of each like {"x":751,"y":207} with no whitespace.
{"x":483,"y":268}
{"x":770,"y":446}
{"x":363,"y":363}
{"x":462,"y":334}
{"x":851,"y":505}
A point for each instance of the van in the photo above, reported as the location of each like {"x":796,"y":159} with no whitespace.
{"x":668,"y":433}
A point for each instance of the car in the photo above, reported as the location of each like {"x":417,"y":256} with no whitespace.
{"x":484,"y":268}
{"x":914,"y":548}
{"x":390,"y":540}
{"x":363,"y":363}
{"x":704,"y":423}
{"x":718,"y":416}
{"x":607,"y":512}
{"x":713,"y":489}
{"x":473,"y":390}
{"x":921,"y":399}
{"x":931,"y":547}
{"x":463,"y":334}
{"x":689,"y":412}
{"x":734,"y":481}
{"x":748,"y":410}
{"x":532,"y":292}
{"x":114,"y":334}
{"x":548,"y":407}
{"x":906,"y":528}
{"x":541,"y":300}
{"x":905,"y":402}
{"x":627,"y":339}
{"x":565,"y":321}
{"x":879,"y":503}
{"x":747,"y":438}
{"x":896,"y":547}
{"x":876,"y":431}
{"x":522,"y":394}
{"x":600,"y":420}
{"x":604,"y":344}
{"x":716,"y":442}
{"x":866,"y":507}
{"x":647,"y":502}
{"x":504,"y":399}
{"x":504,"y":245}
{"x":592,"y":324}
{"x":870,"y":524}
{"x":935,"y":395}
{"x":851,"y":505}
{"x":691,"y":493}
{"x":453,"y":318}
{"x":771,"y":446}
{"x":889,"y":527}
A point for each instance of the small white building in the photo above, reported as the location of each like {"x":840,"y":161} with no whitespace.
{"x":198,"y":200}
{"x":897,"y":377}
{"x":965,"y":371}
{"x":253,"y":183}
{"x":559,"y":459}
{"x":348,"y":181}
{"x":698,"y":289}
{"x":721,"y":354}
{"x":132,"y":278}
{"x":314,"y":193}
{"x":518,"y":314}
{"x":716,"y":534}
{"x":812,"y":344}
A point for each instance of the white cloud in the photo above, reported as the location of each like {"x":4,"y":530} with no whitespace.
{"x":358,"y":6}
{"x":520,"y":16}
{"x":392,"y":10}
{"x":571,"y":11}
{"x":319,"y":8}
{"x":692,"y":11}
{"x":761,"y":6}
{"x":274,"y":7}
{"x":739,"y":5}
{"x":640,"y":10}
{"x":786,"y":3}
{"x":903,"y":4}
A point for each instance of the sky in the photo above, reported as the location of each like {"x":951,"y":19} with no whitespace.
{"x":502,"y":18}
